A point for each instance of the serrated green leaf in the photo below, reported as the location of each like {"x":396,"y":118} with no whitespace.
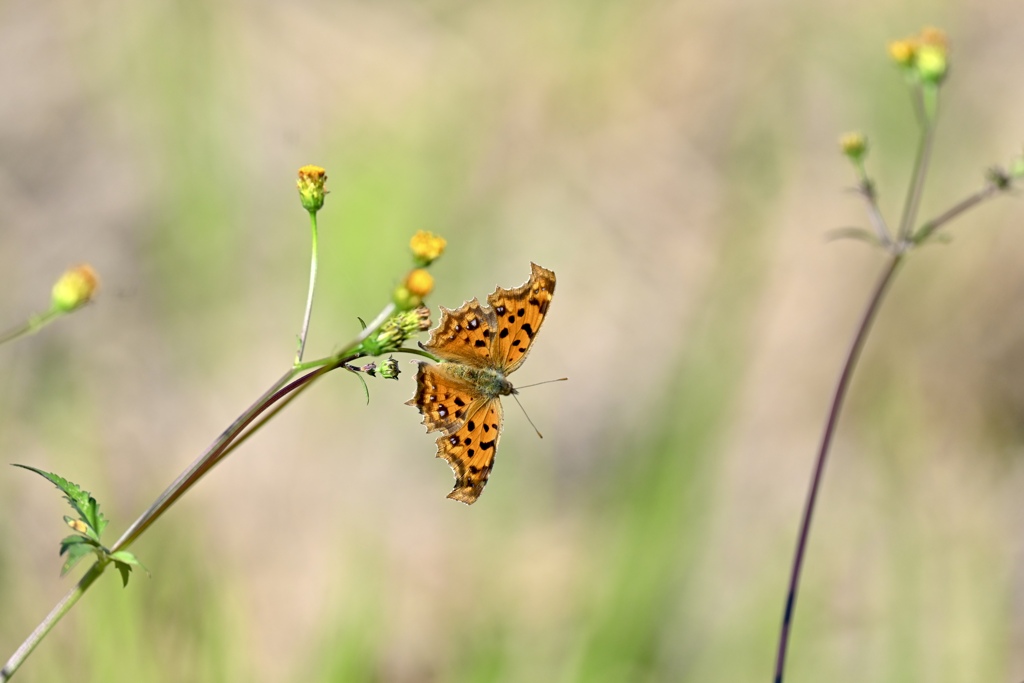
{"x":129,"y":558}
{"x":80,"y":500}
{"x":126,"y":571}
{"x":75,"y":554}
{"x":76,"y":539}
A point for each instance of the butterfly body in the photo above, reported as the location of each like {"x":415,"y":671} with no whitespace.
{"x":488,"y":382}
{"x":479,"y":346}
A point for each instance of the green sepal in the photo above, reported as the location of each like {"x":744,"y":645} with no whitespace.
{"x":81,"y":501}
{"x":74,"y":554}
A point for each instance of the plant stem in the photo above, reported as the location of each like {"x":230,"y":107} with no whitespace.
{"x":826,"y":443}
{"x":930,"y":227}
{"x":916,"y":187}
{"x":309,"y":295}
{"x":58,"y":611}
{"x":203,"y":464}
{"x":31,"y":326}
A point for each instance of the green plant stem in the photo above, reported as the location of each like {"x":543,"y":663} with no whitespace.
{"x":867,"y":191}
{"x":281,"y":390}
{"x":309,"y":295}
{"x":44,"y":627}
{"x":916,"y":187}
{"x":31,"y":326}
{"x":842,"y":387}
{"x":205,"y":462}
{"x":281,"y":405}
{"x":419,"y":352}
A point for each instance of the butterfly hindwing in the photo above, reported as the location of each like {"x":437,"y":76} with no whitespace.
{"x":520,"y":313}
{"x":470,"y":450}
{"x":464,"y":335}
{"x":443,"y":399}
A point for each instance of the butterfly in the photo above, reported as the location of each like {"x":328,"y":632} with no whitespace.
{"x":479,"y":347}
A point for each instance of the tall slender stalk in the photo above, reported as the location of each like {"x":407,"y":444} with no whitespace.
{"x":309,"y":295}
{"x":842,"y":386}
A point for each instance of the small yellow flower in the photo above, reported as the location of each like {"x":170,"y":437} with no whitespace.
{"x":854,"y":145}
{"x":311,"y":187}
{"x":902,"y":52}
{"x":426,"y":247}
{"x":75,"y":288}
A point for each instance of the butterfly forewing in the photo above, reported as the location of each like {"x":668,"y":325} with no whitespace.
{"x":520,"y":313}
{"x":470,"y":451}
{"x":464,"y":335}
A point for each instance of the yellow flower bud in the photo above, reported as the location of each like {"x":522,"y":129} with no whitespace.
{"x":311,"y":187}
{"x":75,"y":288}
{"x":419,"y":283}
{"x":854,"y":145}
{"x":426,"y":247}
{"x":932,"y":64}
{"x":902,"y":52}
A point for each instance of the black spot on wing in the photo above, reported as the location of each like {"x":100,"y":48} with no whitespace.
{"x":504,"y":332}
{"x":528,"y":329}
{"x":487,"y":445}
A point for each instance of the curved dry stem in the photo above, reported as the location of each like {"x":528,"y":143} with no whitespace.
{"x":842,"y":387}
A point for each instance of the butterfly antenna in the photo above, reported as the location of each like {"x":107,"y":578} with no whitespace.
{"x":547,"y":381}
{"x":528,"y":415}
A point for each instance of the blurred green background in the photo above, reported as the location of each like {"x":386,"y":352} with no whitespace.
{"x":676,"y":165}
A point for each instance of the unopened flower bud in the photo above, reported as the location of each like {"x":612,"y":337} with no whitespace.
{"x":854,"y":145}
{"x":311,"y":187}
{"x":389,"y":369}
{"x":902,"y":52}
{"x":418,"y":284}
{"x":75,"y":288}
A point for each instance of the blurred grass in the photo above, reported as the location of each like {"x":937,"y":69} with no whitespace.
{"x":675,"y":165}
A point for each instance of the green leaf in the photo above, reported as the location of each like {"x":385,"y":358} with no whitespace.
{"x":75,"y":540}
{"x":81,"y":501}
{"x":75,"y":553}
{"x":859,"y":234}
{"x":129,"y":558}
{"x":366,"y":389}
{"x":126,"y":570}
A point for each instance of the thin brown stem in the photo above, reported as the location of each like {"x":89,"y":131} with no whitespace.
{"x":931,"y":227}
{"x":842,"y":386}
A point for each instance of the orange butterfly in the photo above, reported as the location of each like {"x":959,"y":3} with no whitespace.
{"x":479,"y":346}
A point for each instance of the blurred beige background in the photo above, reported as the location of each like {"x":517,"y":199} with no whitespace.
{"x":676,"y":165}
